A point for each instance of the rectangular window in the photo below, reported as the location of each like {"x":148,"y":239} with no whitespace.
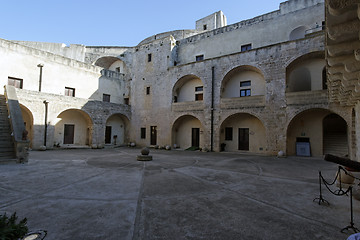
{"x":69,"y":91}
{"x":147,"y":90}
{"x":246,"y":47}
{"x":199,"y":58}
{"x":16,"y":82}
{"x":245,"y":92}
{"x":106,"y":97}
{"x":143,"y":133}
{"x":199,"y":89}
{"x":199,"y":97}
{"x":126,"y":101}
{"x":245,"y":84}
{"x":228,"y":134}
{"x":117,"y":69}
{"x":149,"y":57}
{"x":204,"y":27}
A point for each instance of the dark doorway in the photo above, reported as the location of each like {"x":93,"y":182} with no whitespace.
{"x":244,"y":139}
{"x":153,"y":135}
{"x":108,"y":135}
{"x":195,"y":137}
{"x":69,"y":130}
{"x":335,"y":137}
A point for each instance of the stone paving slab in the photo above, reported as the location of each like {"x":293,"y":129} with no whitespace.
{"x":107,"y":194}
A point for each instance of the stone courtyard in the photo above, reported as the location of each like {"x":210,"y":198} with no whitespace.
{"x":107,"y":194}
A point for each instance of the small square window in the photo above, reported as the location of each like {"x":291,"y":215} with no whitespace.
{"x":149,"y":57}
{"x":16,"y":82}
{"x":143,"y":133}
{"x":106,"y":97}
{"x":199,"y":97}
{"x":69,"y":91}
{"x":117,"y":69}
{"x":199,"y":58}
{"x":246,"y":47}
{"x":147,"y":90}
{"x":228,"y":134}
{"x":245,"y":84}
{"x":199,"y":89}
{"x":245,"y":92}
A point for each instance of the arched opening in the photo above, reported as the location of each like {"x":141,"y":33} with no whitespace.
{"x":335,"y":135}
{"x":187,"y":132}
{"x":306,"y":73}
{"x":297,"y":33}
{"x":243,"y":132}
{"x":188,"y":88}
{"x":243,"y":81}
{"x":28,"y":122}
{"x":73,"y":127}
{"x":111,"y":63}
{"x":116,"y":129}
{"x":310,"y":133}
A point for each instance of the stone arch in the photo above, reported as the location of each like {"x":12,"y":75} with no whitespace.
{"x":241,"y":78}
{"x":305,"y":73}
{"x":307,"y":135}
{"x":297,"y":33}
{"x":73,"y":127}
{"x":28,"y":122}
{"x":243,"y":132}
{"x":111,"y":63}
{"x":117,"y":125}
{"x":188,"y":131}
{"x":188,"y":88}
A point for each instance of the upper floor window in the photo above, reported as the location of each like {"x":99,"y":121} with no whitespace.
{"x":245,"y":91}
{"x":149,"y":57}
{"x":106,"y":97}
{"x":69,"y":91}
{"x":126,"y":101}
{"x":16,"y":82}
{"x":204,"y":26}
{"x":117,"y":69}
{"x":199,"y":58}
{"x":246,"y":47}
{"x":147,"y":90}
{"x":199,"y":93}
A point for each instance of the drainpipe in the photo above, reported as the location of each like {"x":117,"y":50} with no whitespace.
{"x":40,"y":76}
{"x":46,"y":113}
{"x":212,"y":109}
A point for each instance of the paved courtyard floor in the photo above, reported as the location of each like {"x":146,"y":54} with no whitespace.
{"x":107,"y":194}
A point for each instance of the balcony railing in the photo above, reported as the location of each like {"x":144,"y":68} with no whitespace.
{"x":242,"y":102}
{"x":188,"y":106}
{"x":306,"y":97}
{"x":112,"y":74}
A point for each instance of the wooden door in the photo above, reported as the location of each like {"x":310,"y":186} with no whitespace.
{"x":244,"y":139}
{"x":153,"y":135}
{"x":69,"y":130}
{"x":195,"y":137}
{"x":108,"y":134}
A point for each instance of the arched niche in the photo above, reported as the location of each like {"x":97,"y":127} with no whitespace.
{"x":188,"y":88}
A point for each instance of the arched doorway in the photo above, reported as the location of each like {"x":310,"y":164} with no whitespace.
{"x":313,"y":132}
{"x":28,"y":122}
{"x":187,"y":132}
{"x":73,"y":127}
{"x":115,"y":129}
{"x":243,"y":132}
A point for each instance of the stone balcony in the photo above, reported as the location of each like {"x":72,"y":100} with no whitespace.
{"x":112,"y":74}
{"x":188,"y":106}
{"x":307,"y":97}
{"x":242,"y":102}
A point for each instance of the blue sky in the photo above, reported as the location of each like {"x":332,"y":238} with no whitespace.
{"x":114,"y":22}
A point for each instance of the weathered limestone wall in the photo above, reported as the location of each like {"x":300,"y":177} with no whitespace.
{"x":276,"y":26}
{"x":96,"y":112}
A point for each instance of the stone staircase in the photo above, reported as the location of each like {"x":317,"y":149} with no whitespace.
{"x":7,"y":151}
{"x":336,"y":144}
